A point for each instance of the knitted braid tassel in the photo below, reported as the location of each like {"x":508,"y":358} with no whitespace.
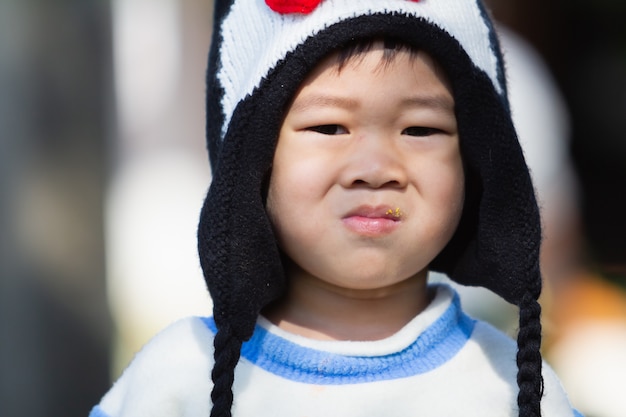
{"x":529,"y":359}
{"x":227,"y":353}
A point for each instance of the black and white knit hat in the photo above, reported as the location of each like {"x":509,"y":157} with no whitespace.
{"x":261,"y":52}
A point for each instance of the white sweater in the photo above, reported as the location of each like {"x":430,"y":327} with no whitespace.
{"x":442,"y":363}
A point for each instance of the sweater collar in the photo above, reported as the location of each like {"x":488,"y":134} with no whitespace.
{"x":425,"y":343}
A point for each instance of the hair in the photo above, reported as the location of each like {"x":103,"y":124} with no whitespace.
{"x":357,"y":48}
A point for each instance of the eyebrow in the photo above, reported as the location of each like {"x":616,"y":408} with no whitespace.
{"x":438,"y":102}
{"x":322,"y":100}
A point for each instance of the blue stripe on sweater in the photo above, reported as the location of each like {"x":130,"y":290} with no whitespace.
{"x":435,"y":346}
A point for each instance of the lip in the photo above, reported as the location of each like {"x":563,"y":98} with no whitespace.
{"x":372,"y":221}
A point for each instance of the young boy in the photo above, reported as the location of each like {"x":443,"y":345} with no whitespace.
{"x":355,"y":145}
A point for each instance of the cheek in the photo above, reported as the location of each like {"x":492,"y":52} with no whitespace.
{"x":445,"y":190}
{"x":277,"y":212}
{"x":455,"y":194}
{"x":452,"y":185}
{"x":291,"y":196}
{"x":441,"y":176}
{"x":301,"y":178}
{"x":292,"y":218}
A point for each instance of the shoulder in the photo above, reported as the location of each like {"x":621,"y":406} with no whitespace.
{"x":170,"y":374}
{"x":500,"y":351}
{"x":555,"y":401}
{"x":185,"y":342}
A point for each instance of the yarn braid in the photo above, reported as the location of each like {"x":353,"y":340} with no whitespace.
{"x":227,"y":353}
{"x":529,"y":360}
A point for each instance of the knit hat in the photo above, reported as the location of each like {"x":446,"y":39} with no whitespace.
{"x":261,"y":52}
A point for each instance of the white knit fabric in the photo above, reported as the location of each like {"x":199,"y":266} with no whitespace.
{"x":255,"y":37}
{"x":170,"y":376}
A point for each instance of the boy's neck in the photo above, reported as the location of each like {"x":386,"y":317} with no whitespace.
{"x":318,"y":310}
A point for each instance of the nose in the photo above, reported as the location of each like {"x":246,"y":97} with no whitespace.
{"x":374,"y":162}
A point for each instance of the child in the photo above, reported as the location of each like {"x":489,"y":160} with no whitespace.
{"x":355,"y":145}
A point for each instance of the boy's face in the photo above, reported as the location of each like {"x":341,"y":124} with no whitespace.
{"x":367,"y":184}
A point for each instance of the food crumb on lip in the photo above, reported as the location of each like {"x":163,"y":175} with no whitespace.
{"x":395,"y":213}
{"x":377,"y":212}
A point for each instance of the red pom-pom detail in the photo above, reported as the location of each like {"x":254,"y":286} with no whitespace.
{"x":293,"y":6}
{"x":296,"y":6}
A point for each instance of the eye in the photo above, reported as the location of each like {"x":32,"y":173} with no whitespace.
{"x":328,"y":129}
{"x":421,"y":131}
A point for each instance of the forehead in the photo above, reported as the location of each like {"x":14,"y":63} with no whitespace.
{"x":378,"y":64}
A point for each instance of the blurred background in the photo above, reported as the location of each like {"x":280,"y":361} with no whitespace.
{"x":103,"y":171}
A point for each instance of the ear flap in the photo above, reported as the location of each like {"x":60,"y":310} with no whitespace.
{"x":498,"y":244}
{"x":237,"y":247}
